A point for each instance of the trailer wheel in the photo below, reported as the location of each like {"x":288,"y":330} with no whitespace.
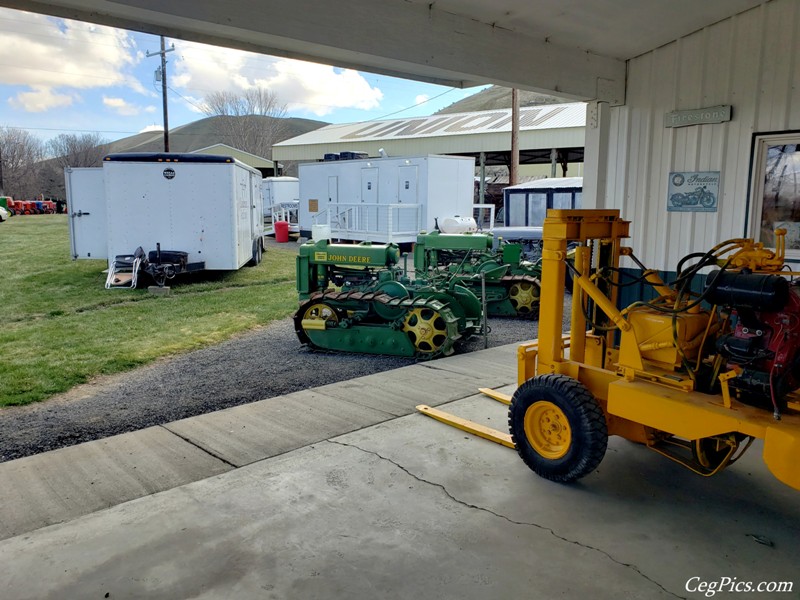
{"x":257,"y":254}
{"x":558,"y":428}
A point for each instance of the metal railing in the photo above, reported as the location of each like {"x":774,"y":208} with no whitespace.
{"x":286,"y":211}
{"x":484,"y":216}
{"x":371,"y":222}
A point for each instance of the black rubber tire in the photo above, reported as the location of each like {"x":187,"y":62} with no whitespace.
{"x":589,"y":438}
{"x":257,"y":254}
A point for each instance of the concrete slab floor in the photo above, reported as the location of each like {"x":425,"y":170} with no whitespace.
{"x":58,"y":486}
{"x":63,"y":484}
{"x":400,"y":390}
{"x":251,"y":432}
{"x":413,"y":509}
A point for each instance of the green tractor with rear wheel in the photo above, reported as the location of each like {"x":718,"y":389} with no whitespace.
{"x":509,"y":283}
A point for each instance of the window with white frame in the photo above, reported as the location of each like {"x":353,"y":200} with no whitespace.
{"x":775,"y":190}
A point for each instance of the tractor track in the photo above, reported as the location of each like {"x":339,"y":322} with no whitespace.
{"x":360,"y":299}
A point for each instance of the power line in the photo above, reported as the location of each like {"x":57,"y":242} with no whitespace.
{"x":196,"y":89}
{"x":177,"y":93}
{"x":20,"y":128}
{"x":69,"y":73}
{"x":173,"y":133}
{"x":222,"y":135}
{"x":415,"y":105}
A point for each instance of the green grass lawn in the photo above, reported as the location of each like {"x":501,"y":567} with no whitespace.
{"x":60,"y":326}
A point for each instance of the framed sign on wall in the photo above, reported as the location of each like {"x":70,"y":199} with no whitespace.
{"x":693,"y":191}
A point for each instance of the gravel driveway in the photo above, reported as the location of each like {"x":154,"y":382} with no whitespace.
{"x":260,"y":364}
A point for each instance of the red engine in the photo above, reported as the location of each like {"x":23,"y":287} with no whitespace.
{"x":765,"y":341}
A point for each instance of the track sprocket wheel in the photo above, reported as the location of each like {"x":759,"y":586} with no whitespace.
{"x":524,"y":297}
{"x":319,"y":311}
{"x":427,"y":329}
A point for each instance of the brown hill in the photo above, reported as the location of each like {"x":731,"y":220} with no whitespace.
{"x":201,"y":134}
{"x":186,"y":138}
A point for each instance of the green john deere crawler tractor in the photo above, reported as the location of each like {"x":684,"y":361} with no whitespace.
{"x":355,"y":298}
{"x":511,"y":284}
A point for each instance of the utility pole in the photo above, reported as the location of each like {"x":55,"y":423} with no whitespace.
{"x":513,"y":172}
{"x":161,"y":73}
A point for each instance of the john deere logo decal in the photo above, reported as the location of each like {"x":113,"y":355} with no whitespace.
{"x":169,"y":173}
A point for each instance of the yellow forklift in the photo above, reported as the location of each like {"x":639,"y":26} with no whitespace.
{"x":695,"y":375}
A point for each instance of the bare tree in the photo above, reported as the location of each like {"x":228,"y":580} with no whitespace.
{"x":71,"y":150}
{"x":252,"y":120}
{"x":21,"y":153}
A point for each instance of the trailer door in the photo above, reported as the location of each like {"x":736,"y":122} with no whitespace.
{"x":333,"y":190}
{"x":368,"y":219}
{"x":257,"y":206}
{"x":332,"y":217}
{"x":86,"y":206}
{"x":405,"y":219}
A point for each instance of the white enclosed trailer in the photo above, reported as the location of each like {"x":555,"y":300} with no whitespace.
{"x":209,"y":207}
{"x":279,"y":190}
{"x":384,"y":199}
{"x":282,"y":200}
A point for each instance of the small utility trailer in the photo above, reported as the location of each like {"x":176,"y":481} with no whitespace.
{"x":166,"y":214}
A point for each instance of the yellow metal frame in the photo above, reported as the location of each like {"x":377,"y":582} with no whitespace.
{"x":493,"y":435}
{"x":642,"y":403}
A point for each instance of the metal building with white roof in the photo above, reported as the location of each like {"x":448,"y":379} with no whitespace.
{"x":542,"y":129}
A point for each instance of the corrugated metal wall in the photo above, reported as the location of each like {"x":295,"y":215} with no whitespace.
{"x":752,"y":62}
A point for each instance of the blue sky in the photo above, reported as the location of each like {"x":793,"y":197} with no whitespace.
{"x":66,"y":76}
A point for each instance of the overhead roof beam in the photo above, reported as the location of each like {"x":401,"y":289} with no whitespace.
{"x":392,"y":37}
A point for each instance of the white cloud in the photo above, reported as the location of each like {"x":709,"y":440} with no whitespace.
{"x":121,"y":106}
{"x":41,"y":99}
{"x":314,"y":88}
{"x":48,"y":54}
{"x":321,"y":89}
{"x":206,"y":69}
{"x":150,"y":109}
{"x":150,"y":128}
{"x":421,"y":98}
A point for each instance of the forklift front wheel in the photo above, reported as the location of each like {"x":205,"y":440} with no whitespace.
{"x":558,"y":428}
